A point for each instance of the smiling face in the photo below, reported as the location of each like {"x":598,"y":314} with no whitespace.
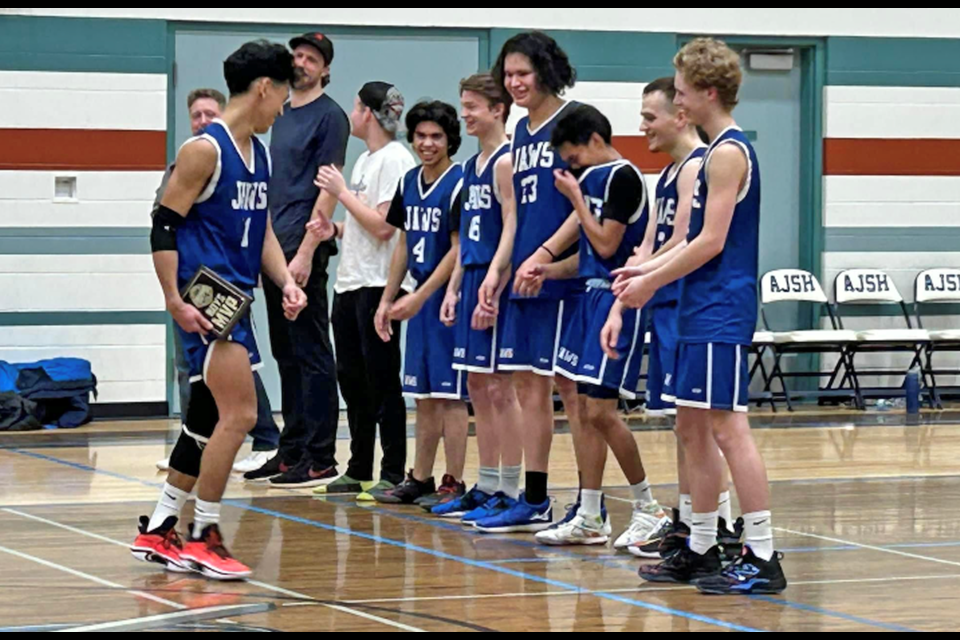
{"x":430,"y":144}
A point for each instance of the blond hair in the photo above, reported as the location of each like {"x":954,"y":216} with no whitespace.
{"x":707,"y":63}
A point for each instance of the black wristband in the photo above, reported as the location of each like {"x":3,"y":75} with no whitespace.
{"x":552,"y":254}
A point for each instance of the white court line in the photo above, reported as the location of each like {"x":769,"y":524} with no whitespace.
{"x":180,"y":617}
{"x":90,"y":578}
{"x":868,"y":547}
{"x":262,"y":585}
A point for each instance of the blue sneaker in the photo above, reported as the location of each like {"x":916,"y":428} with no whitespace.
{"x":496,"y":505}
{"x":522,"y":518}
{"x":573,"y":509}
{"x":463,"y":505}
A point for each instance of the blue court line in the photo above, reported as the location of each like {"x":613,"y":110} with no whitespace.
{"x":481,"y":564}
{"x":835,"y":614}
{"x":437,"y":554}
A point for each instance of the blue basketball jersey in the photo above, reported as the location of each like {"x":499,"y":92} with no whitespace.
{"x":718,"y":302}
{"x":428,"y":219}
{"x":541,"y":208}
{"x":668,"y":196}
{"x":481,"y":217}
{"x":595,"y":185}
{"x":226,"y":227}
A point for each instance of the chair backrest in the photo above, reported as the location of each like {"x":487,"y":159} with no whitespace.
{"x":866,"y":286}
{"x":938,"y":285}
{"x":791,"y":285}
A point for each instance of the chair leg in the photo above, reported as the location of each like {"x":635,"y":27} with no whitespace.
{"x":852,"y":371}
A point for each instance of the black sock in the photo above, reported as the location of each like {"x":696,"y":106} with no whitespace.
{"x":536,"y":488}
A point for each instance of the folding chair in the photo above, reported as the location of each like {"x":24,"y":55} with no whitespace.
{"x":795,"y":285}
{"x":938,"y":287}
{"x":872,"y":287}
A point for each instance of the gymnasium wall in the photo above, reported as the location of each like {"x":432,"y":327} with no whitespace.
{"x":86,"y":99}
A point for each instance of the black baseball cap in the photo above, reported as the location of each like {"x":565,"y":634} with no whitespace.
{"x":318,"y":41}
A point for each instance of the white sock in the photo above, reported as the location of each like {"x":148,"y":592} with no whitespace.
{"x":703,"y":532}
{"x":489,"y":480}
{"x":726,"y":510}
{"x":171,"y":503}
{"x":758,"y":530}
{"x":510,"y":481}
{"x":590,"y":502}
{"x":686,"y":509}
{"x":206,"y":514}
{"x":642,"y":494}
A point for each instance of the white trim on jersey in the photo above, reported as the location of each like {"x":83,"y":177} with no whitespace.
{"x":266,"y":151}
{"x":679,"y":166}
{"x":477,"y":169}
{"x":424,"y":196}
{"x":633,"y":351}
{"x":745,"y":191}
{"x":589,"y":170}
{"x":496,"y":179}
{"x":566,"y":103}
{"x":250,"y":166}
{"x":211,"y":187}
{"x":456,"y":192}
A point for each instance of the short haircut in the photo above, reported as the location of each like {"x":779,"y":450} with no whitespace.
{"x":664,"y":86}
{"x":255,"y":60}
{"x":579,"y":125}
{"x":485,"y":85}
{"x":209,"y":94}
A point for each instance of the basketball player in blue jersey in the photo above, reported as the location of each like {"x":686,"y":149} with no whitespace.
{"x":668,"y":130}
{"x":535,"y":72}
{"x":476,"y":294}
{"x":718,"y":313}
{"x":421,"y":210}
{"x":214,"y":214}
{"x":611,"y":203}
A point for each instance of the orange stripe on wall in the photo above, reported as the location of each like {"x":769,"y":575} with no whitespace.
{"x":82,"y":150}
{"x":635,"y":149}
{"x":870,"y":157}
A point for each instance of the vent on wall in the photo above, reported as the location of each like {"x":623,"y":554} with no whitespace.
{"x":770,"y":60}
{"x":65,"y":189}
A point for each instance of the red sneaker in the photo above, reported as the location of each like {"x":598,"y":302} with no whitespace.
{"x":161,"y":546}
{"x":211,"y":557}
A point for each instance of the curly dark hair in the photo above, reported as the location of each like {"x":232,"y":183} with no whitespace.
{"x":555,"y":74}
{"x":441,"y":113}
{"x":255,"y":60}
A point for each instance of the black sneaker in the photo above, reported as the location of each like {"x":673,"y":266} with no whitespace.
{"x":448,"y":491}
{"x":304,"y":476}
{"x":676,"y":539}
{"x":407,"y":492}
{"x":749,"y":575}
{"x":731,"y":545}
{"x":684,"y":567}
{"x":274,"y":467}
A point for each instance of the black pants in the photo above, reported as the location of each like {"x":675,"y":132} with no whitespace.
{"x":369,"y":374}
{"x":308,"y":373}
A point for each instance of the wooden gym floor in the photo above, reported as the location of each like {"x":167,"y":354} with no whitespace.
{"x":865,"y":509}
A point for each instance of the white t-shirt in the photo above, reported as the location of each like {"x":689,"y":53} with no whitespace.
{"x":365,"y":260}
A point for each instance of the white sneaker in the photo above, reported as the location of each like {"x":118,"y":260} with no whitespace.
{"x":644,"y":524}
{"x":164,"y":465}
{"x":579,"y":531}
{"x":254,"y":461}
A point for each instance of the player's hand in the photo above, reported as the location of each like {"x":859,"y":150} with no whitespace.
{"x":381,"y":322}
{"x":331,"y":180}
{"x":448,"y":310}
{"x":635,"y":293}
{"x":610,"y":335}
{"x":530,"y":275}
{"x":189,"y":318}
{"x":482,"y":320}
{"x":568,"y":185}
{"x":489,"y":295}
{"x":406,"y":307}
{"x":322,"y":229}
{"x":294,"y":301}
{"x":300,"y":268}
{"x":624,"y":275}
